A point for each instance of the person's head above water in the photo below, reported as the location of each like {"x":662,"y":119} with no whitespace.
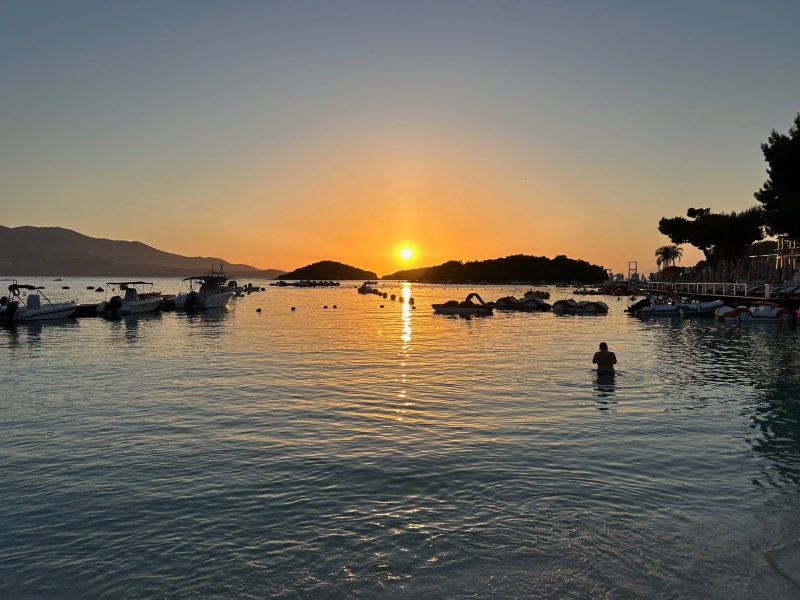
{"x":603,"y":346}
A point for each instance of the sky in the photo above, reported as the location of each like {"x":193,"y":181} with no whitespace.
{"x":279,"y":134}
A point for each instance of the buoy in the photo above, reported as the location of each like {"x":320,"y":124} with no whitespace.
{"x":381,"y":305}
{"x":258,"y":310}
{"x":411,"y":301}
{"x":385,"y":295}
{"x":334,"y":306}
{"x":293,"y":308}
{"x":402,"y":300}
{"x":393,"y":297}
{"x":413,"y":308}
{"x":326,"y":306}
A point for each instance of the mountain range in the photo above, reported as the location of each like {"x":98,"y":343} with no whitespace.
{"x":57,"y":251}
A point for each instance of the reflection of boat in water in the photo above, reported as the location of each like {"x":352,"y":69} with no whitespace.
{"x":681,"y":309}
{"x":528,"y":304}
{"x":135,"y":299}
{"x":467,"y":308}
{"x":583,"y":307}
{"x":204,"y":292}
{"x":35,"y":306}
{"x":767,"y":312}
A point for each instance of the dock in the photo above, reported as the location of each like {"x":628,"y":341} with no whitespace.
{"x":786,"y":293}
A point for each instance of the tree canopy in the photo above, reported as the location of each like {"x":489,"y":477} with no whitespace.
{"x":780,"y":194}
{"x":329,"y":269}
{"x":520,"y":267}
{"x":720,"y":236}
{"x":668,"y":254}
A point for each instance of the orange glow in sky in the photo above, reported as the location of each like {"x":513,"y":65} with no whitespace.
{"x":283,"y":134}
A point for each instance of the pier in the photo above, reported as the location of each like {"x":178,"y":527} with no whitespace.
{"x":786,"y":293}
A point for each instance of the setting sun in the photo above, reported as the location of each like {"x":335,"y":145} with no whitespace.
{"x":406,"y":253}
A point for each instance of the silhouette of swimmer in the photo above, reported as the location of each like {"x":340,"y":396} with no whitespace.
{"x":605,"y":360}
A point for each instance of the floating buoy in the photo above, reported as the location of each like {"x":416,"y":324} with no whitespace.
{"x":385,"y":295}
{"x":326,"y":306}
{"x":258,"y":310}
{"x":381,"y":305}
{"x":413,"y":308}
{"x":393,"y":297}
{"x":411,"y":301}
{"x":293,"y":308}
{"x":402,"y":299}
{"x":334,"y":306}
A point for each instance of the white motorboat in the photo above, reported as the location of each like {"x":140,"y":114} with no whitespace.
{"x":134,"y":300}
{"x":583,"y":307}
{"x":682,"y":309}
{"x":467,"y":308}
{"x":204,"y":292}
{"x":29,"y":303}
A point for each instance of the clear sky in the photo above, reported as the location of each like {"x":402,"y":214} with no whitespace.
{"x":282,"y":133}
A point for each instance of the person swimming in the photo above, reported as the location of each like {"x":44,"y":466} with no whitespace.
{"x":605,"y":360}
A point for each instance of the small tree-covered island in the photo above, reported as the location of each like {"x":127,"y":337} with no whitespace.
{"x":499,"y":270}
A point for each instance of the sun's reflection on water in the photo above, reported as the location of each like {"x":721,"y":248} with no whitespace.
{"x":405,"y":348}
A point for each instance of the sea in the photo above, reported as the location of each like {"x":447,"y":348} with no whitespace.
{"x":319,"y":443}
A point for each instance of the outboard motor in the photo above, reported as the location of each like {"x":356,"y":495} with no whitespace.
{"x":191,"y":302}
{"x":637,"y":306}
{"x":11,"y":311}
{"x":114,"y":305}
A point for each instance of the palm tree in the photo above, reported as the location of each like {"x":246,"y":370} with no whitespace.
{"x":668,"y":254}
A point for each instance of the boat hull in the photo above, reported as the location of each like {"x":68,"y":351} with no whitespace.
{"x":46,"y":313}
{"x":204,"y":302}
{"x":570,"y":307}
{"x":462,"y":311}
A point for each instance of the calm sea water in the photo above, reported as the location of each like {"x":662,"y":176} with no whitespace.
{"x":369,"y":452}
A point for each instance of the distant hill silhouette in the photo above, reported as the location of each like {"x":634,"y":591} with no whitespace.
{"x":58,"y":251}
{"x":328,"y":270}
{"x":501,"y":270}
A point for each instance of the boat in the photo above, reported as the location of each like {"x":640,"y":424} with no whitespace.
{"x":681,"y":309}
{"x":527,"y":304}
{"x":760,"y":312}
{"x":34,"y":306}
{"x":204,"y":292}
{"x":233,"y":286}
{"x":583,"y":307}
{"x":467,"y":308}
{"x":135,"y":299}
{"x":541,"y":294}
{"x":368,"y":287}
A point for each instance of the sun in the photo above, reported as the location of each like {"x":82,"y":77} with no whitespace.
{"x":406,"y":253}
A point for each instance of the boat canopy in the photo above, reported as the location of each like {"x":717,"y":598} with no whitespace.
{"x":130,"y":283}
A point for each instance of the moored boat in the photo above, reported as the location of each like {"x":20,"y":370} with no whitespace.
{"x":583,"y":307}
{"x":682,"y":309}
{"x":765,"y":312}
{"x":527,"y":304}
{"x":204,"y":292}
{"x":134,"y":299}
{"x":467,"y":308}
{"x":29,"y":303}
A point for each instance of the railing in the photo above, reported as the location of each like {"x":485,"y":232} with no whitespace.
{"x":718,"y":288}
